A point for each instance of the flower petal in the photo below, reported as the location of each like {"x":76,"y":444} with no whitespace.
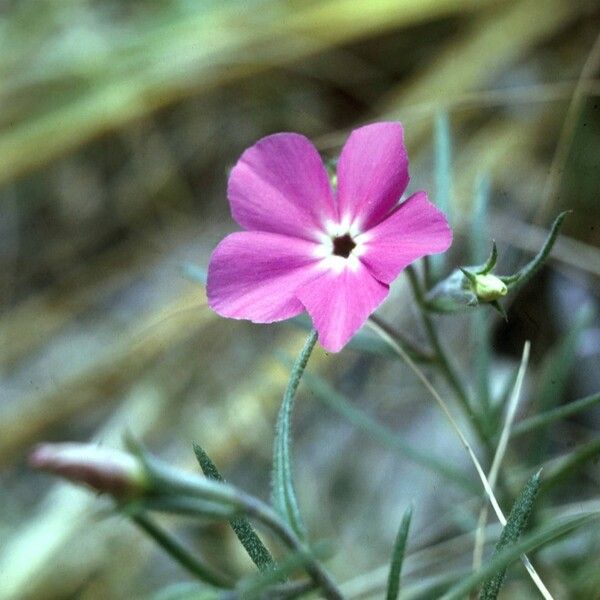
{"x":280,"y":185}
{"x":415,"y":229}
{"x":255,"y":275}
{"x":372,"y":173}
{"x":339,"y":303}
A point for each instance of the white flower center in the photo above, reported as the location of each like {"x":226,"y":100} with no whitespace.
{"x":340,"y":245}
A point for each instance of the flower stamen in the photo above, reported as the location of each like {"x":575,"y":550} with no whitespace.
{"x":343,"y":245}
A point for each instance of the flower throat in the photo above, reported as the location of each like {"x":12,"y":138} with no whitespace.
{"x":343,"y":245}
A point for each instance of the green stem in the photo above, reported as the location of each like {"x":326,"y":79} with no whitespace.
{"x":181,"y":554}
{"x":284,"y":496}
{"x":175,"y":484}
{"x":411,"y":349}
{"x":550,"y":416}
{"x":443,"y":361}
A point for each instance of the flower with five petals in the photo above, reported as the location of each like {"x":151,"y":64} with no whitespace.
{"x":333,"y":253}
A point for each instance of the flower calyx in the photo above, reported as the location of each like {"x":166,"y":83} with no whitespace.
{"x":486,"y":287}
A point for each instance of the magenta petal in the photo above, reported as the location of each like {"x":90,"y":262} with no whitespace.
{"x":415,"y":229}
{"x":372,"y":173}
{"x":340,"y":303}
{"x":280,"y":185}
{"x":255,"y":275}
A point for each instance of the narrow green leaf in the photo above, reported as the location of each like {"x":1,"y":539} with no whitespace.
{"x":183,"y":505}
{"x":529,"y":270}
{"x":551,"y":416}
{"x":254,"y":585}
{"x":283,"y":494}
{"x":443,"y":180}
{"x":490,"y":263}
{"x":532,"y":541}
{"x":383,"y":435}
{"x":478,"y":237}
{"x":569,"y":465}
{"x":557,"y":367}
{"x":254,"y":546}
{"x":181,"y":554}
{"x":515,"y":524}
{"x":393,"y":586}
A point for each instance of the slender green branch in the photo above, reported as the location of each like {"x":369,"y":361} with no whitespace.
{"x":443,"y":361}
{"x":181,"y":554}
{"x":555,"y":414}
{"x":174,"y":484}
{"x":411,"y":348}
{"x":283,"y":493}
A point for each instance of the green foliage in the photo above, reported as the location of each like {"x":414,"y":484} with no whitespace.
{"x":552,"y":416}
{"x":283,"y":494}
{"x":558,"y":364}
{"x":459,"y":290}
{"x":393,"y":587}
{"x":515,"y":525}
{"x":383,"y":435}
{"x":530,"y":269}
{"x":183,"y":556}
{"x":269,"y":582}
{"x":542,"y":536}
{"x":443,"y":180}
{"x":254,"y":546}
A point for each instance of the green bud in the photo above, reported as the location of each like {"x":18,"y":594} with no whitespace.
{"x":489,"y":287}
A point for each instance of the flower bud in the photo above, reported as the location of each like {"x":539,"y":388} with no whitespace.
{"x":103,"y":469}
{"x":489,"y":287}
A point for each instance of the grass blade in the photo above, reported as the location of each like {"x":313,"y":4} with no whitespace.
{"x":254,"y":546}
{"x":443,"y":180}
{"x":515,"y":524}
{"x":499,"y":454}
{"x":283,"y":494}
{"x":554,"y":377}
{"x":570,"y":464}
{"x":179,"y":553}
{"x":467,"y":446}
{"x":550,"y":416}
{"x":532,"y":541}
{"x":383,"y":435}
{"x":393,"y":587}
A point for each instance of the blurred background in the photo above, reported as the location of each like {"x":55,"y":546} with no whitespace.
{"x":119,"y":122}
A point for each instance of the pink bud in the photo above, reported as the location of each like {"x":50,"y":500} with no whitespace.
{"x":103,"y":469}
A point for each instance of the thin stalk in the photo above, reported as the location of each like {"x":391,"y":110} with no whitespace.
{"x":486,"y":484}
{"x":443,"y":361}
{"x":499,"y":455}
{"x":550,"y":416}
{"x":181,"y":554}
{"x":412,"y":350}
{"x":269,"y":517}
{"x":284,"y":495}
{"x":175,"y":484}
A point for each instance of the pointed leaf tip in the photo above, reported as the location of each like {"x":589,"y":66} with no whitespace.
{"x":257,"y":551}
{"x":527,"y":272}
{"x":515,"y":525}
{"x":393,"y":586}
{"x":490,"y":263}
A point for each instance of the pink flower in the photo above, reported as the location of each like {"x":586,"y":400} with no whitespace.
{"x":307,"y":247}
